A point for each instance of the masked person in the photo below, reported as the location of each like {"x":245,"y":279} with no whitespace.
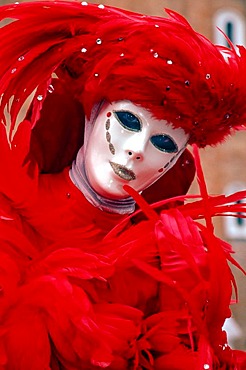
{"x":94,"y":100}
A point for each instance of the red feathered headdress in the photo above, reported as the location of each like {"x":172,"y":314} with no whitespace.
{"x":103,"y":53}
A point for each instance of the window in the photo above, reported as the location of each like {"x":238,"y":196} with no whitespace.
{"x":235,"y":227}
{"x":232,"y":23}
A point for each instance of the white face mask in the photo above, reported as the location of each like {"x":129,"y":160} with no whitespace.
{"x":128,"y":146}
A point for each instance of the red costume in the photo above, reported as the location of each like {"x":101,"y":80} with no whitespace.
{"x":82,"y":288}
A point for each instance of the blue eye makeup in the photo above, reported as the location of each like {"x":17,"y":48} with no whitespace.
{"x":164,"y":143}
{"x":128,"y":120}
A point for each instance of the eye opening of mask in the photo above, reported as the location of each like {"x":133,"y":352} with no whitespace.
{"x":128,"y":120}
{"x":164,"y":143}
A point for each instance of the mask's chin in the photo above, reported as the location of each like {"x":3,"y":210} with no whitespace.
{"x":114,"y":191}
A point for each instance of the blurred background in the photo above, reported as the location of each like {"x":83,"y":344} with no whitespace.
{"x":224,"y":165}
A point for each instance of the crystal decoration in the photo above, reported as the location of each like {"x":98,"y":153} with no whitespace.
{"x":13,"y":70}
{"x":227,"y":115}
{"x":83,"y":50}
{"x":157,"y":26}
{"x":169,"y":61}
{"x":187,"y":83}
{"x":206,"y":366}
{"x":208,"y":76}
{"x":21,"y":58}
{"x":101,"y":6}
{"x":51,"y":89}
{"x":98,"y":41}
{"x":40,"y":97}
{"x":96,"y":74}
{"x":156,"y":55}
{"x":84,"y":3}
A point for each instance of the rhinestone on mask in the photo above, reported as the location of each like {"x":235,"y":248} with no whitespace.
{"x":98,"y":41}
{"x":40,"y":97}
{"x":187,"y":83}
{"x":156,"y":55}
{"x":101,"y":6}
{"x":206,"y":366}
{"x":21,"y":58}
{"x":208,"y":76}
{"x":83,"y":50}
{"x":169,"y":61}
{"x":84,"y":3}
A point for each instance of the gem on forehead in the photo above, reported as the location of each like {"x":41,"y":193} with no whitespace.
{"x":109,"y":114}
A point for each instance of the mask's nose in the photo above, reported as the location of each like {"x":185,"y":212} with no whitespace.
{"x":135,"y":155}
{"x":136,"y":146}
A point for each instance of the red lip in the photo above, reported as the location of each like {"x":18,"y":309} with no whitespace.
{"x":122,"y":171}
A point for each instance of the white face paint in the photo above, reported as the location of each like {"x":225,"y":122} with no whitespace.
{"x":128,"y":146}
